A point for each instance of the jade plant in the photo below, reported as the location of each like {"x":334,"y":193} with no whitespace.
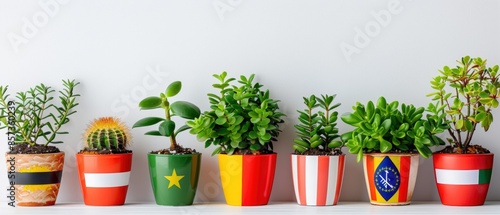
{"x":34,"y":119}
{"x":388,"y":127}
{"x":106,"y":135}
{"x":317,"y":131}
{"x":469,"y":92}
{"x":166,"y":126}
{"x":243,"y":118}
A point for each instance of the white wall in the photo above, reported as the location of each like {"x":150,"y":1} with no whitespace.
{"x":122,"y":51}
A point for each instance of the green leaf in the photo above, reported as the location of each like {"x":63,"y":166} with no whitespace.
{"x":147,"y":121}
{"x":153,"y":133}
{"x":150,"y":103}
{"x":385,"y":146}
{"x":185,"y":109}
{"x":167,"y":128}
{"x":173,"y":89}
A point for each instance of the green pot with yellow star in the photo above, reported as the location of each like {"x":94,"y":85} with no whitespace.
{"x":174,"y":178}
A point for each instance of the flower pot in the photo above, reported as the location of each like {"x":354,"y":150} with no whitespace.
{"x":317,"y":180}
{"x":390,"y":178}
{"x":462,"y":179}
{"x":247,"y":180}
{"x":174,"y":178}
{"x":35,"y":178}
{"x":104,"y":178}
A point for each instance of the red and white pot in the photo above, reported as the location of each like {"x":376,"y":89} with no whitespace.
{"x":317,"y":180}
{"x":462,"y":179}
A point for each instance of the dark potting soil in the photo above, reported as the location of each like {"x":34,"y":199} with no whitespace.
{"x":25,"y":148}
{"x":317,"y":151}
{"x":104,"y":151}
{"x":472,"y":149}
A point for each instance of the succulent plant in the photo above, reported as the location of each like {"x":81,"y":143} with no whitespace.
{"x":107,"y":133}
{"x":469,"y":92}
{"x":318,"y":130}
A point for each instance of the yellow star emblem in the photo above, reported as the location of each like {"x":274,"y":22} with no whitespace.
{"x":174,"y":179}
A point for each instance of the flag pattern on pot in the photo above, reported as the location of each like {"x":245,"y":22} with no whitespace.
{"x":388,"y":178}
{"x":461,"y":176}
{"x":317,"y":179}
{"x":247,"y":179}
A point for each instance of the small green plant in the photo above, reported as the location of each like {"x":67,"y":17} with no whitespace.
{"x":241,"y":118}
{"x":34,"y":114}
{"x":388,"y":128}
{"x":318,"y":130}
{"x":107,"y":133}
{"x":166,"y":126}
{"x":468,"y":92}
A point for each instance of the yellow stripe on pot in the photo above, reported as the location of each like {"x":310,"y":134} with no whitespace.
{"x":231,"y":169}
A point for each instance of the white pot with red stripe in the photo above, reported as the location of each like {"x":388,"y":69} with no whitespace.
{"x":463,"y":179}
{"x":390,"y":178}
{"x":317,"y":179}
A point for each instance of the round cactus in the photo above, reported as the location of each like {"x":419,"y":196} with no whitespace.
{"x":107,"y":133}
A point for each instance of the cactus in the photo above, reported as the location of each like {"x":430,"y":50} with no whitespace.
{"x":107,"y":133}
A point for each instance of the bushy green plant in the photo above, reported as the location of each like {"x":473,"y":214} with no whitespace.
{"x":468,"y":92}
{"x":317,"y":130}
{"x":34,"y":115}
{"x":166,"y":126}
{"x":107,"y":133}
{"x":241,"y":118}
{"x":388,"y":127}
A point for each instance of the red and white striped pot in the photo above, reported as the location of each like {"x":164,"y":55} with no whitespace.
{"x":390,"y":178}
{"x":317,"y":180}
{"x":462,"y":179}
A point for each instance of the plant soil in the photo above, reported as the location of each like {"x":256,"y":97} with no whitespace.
{"x":316,"y":151}
{"x":104,"y":151}
{"x":472,"y":149}
{"x":178,"y":150}
{"x":25,"y":148}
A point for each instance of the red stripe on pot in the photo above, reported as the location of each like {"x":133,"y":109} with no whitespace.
{"x":257,"y":178}
{"x":340,"y":178}
{"x":370,"y":169}
{"x":404,"y":171}
{"x":301,"y":168}
{"x":467,"y":161}
{"x":323,"y":163}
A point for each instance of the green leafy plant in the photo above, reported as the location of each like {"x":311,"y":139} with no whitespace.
{"x":34,"y":114}
{"x":165,"y":125}
{"x":107,"y":135}
{"x":468,"y":92}
{"x":317,"y":131}
{"x":241,"y":118}
{"x":388,"y":127}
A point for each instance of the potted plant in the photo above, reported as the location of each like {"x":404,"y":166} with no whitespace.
{"x":242,"y":123}
{"x":175,"y":170}
{"x":104,"y":163}
{"x":318,"y":161}
{"x":469,"y":92}
{"x":33,"y":121}
{"x":389,"y":138}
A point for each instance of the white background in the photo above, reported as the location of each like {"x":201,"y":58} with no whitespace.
{"x":122,"y":51}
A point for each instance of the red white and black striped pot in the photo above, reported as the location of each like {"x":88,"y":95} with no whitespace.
{"x":462,"y":179}
{"x":317,"y":180}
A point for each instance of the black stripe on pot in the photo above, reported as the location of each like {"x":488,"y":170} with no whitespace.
{"x":31,"y":178}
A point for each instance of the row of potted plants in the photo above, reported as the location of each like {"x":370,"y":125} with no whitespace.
{"x":242,"y":124}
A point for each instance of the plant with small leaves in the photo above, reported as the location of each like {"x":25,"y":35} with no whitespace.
{"x":241,"y":118}
{"x":469,"y":92}
{"x":34,"y":115}
{"x":107,"y":134}
{"x":318,"y":128}
{"x":388,"y":127}
{"x":166,"y":126}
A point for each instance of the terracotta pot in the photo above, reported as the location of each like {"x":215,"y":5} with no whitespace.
{"x":462,"y":179}
{"x":247,"y":180}
{"x":317,"y":180}
{"x":35,"y":178}
{"x":390,"y":178}
{"x":104,"y":178}
{"x":174,"y":178}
